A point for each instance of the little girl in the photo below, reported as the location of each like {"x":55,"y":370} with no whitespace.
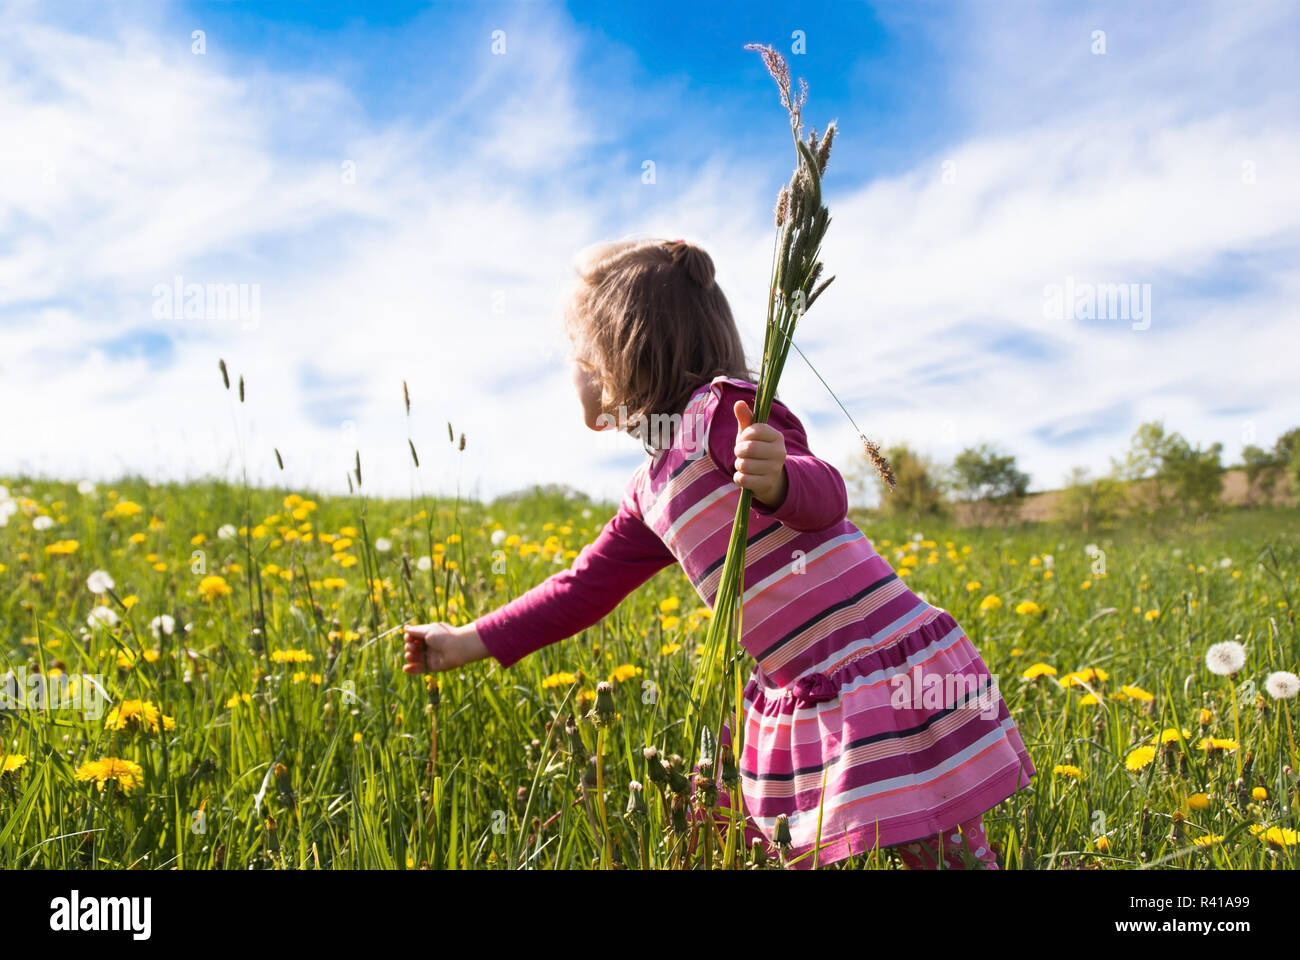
{"x":855,"y":675}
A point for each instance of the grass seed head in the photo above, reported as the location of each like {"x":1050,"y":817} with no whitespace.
{"x":881,"y":464}
{"x":782,"y":205}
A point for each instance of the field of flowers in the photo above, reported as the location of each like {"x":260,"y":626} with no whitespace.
{"x":199,"y":677}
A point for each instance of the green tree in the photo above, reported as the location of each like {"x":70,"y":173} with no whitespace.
{"x":1143,"y":467}
{"x":1195,"y":476}
{"x":1262,"y":471}
{"x":1287,"y":453}
{"x":1089,"y":504}
{"x":989,"y":481}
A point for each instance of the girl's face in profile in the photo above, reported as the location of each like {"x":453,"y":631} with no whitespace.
{"x":588,"y":388}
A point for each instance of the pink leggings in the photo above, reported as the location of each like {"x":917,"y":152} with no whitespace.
{"x":925,"y":854}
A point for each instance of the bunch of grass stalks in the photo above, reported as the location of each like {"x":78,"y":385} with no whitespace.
{"x":796,"y":282}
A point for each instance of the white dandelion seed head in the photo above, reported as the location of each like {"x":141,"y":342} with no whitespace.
{"x":424,"y":563}
{"x":383,"y":544}
{"x":1048,"y":560}
{"x":1282,"y":685}
{"x":162,"y":625}
{"x":101,"y":617}
{"x":86,"y":487}
{"x":42,"y":522}
{"x":100,"y":582}
{"x":498,"y":537}
{"x":1225,"y":562}
{"x":586,"y":514}
{"x":917,"y":537}
{"x":227,"y":531}
{"x":1226,"y":657}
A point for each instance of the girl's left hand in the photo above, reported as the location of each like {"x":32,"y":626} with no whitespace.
{"x":760,"y":458}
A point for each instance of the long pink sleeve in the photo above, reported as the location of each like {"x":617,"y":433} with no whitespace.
{"x":625,"y":555}
{"x":815,"y":498}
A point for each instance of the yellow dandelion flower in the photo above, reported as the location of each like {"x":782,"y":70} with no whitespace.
{"x":990,"y":602}
{"x":1039,"y":670}
{"x":1259,"y":793}
{"x":237,"y":699}
{"x":213,"y":586}
{"x":1137,"y":693}
{"x":127,"y":657}
{"x":126,"y":774}
{"x":1208,"y":839}
{"x":291,"y":656}
{"x":1170,"y":735}
{"x":1217,"y":743}
{"x":669,"y":623}
{"x":12,"y":762}
{"x":669,"y":648}
{"x":668,"y":604}
{"x":1067,"y":770}
{"x":1028,"y":607}
{"x":1102,"y":844}
{"x":561,"y":679}
{"x":1139,"y":758}
{"x":1275,"y":836}
{"x":624,"y":672}
{"x":972,"y":586}
{"x":138,"y":716}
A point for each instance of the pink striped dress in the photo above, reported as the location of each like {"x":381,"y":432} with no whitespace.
{"x":857,"y":680}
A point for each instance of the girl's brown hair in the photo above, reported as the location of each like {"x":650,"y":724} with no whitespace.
{"x":648,"y":318}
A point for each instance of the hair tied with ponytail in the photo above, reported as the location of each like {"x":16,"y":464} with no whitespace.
{"x":698,"y":264}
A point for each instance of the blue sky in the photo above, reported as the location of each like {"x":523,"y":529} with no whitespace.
{"x":405,"y":204}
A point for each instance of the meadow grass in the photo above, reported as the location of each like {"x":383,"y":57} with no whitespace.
{"x":287,"y":736}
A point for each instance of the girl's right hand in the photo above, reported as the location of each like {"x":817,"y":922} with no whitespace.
{"x":435,"y":647}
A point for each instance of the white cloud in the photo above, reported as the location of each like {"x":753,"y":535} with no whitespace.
{"x":442,"y":264}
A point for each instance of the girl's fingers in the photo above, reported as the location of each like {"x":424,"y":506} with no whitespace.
{"x":759,"y":431}
{"x":758,"y":468}
{"x":756,"y":450}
